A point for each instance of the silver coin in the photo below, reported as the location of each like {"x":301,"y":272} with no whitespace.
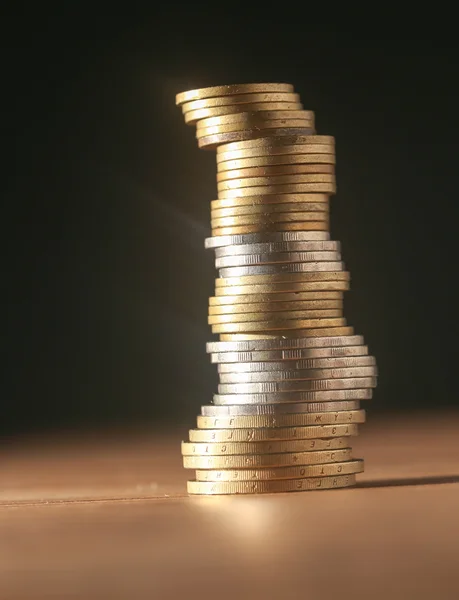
{"x":307,"y":363}
{"x":288,"y":355}
{"x":299,"y":375}
{"x":256,"y":238}
{"x":293,"y":397}
{"x":277,"y":247}
{"x":288,"y":343}
{"x":231,"y":410}
{"x":244,"y":260}
{"x":277,"y":269}
{"x":313,"y":385}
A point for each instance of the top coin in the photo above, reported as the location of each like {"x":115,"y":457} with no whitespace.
{"x":228,"y":90}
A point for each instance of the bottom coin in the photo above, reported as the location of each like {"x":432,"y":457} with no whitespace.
{"x":269,"y":487}
{"x":321,"y":470}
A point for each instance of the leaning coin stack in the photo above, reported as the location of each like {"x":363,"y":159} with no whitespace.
{"x":292,"y":373}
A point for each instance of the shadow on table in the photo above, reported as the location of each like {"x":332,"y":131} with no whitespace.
{"x":434,"y":480}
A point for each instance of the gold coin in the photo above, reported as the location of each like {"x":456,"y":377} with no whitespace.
{"x":269,"y":200}
{"x":255,"y":123}
{"x":280,"y":217}
{"x":273,"y":474}
{"x":192,"y":116}
{"x":309,"y":276}
{"x":281,"y":161}
{"x":255,"y":116}
{"x":264,"y":316}
{"x":275,"y":298}
{"x":240,"y":99}
{"x":248,"y":461}
{"x":233,"y":90}
{"x":273,"y":325}
{"x":211,"y":142}
{"x":275,"y":170}
{"x":283,"y":334}
{"x":271,"y":227}
{"x":233,"y":184}
{"x":266,"y":151}
{"x":287,"y":286}
{"x":292,"y":188}
{"x":266,"y":447}
{"x":266,"y":209}
{"x":269,"y":487}
{"x":285,"y":420}
{"x":274,"y":307}
{"x":290,"y":140}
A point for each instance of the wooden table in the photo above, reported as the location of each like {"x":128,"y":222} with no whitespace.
{"x":106,"y":516}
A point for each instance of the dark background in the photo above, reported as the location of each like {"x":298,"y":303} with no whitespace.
{"x":106,"y":206}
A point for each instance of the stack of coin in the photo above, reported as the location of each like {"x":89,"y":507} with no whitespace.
{"x":292,"y":373}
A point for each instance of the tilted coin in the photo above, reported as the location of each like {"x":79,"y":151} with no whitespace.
{"x":286,"y":141}
{"x":303,"y":363}
{"x":234,"y":100}
{"x":282,"y":276}
{"x":286,"y":333}
{"x":288,"y":188}
{"x":278,"y":248}
{"x":248,"y":461}
{"x":270,"y":218}
{"x":274,"y":171}
{"x":268,"y":487}
{"x":210,"y":142}
{"x":276,"y":307}
{"x":288,"y":355}
{"x":274,"y":149}
{"x":193,"y":116}
{"x":269,"y":200}
{"x":301,"y":267}
{"x":298,"y":236}
{"x":275,"y":297}
{"x":286,"y":420}
{"x":271,"y":180}
{"x":313,"y":385}
{"x":264,"y":209}
{"x":239,"y":410}
{"x":233,"y":90}
{"x":268,"y":227}
{"x":283,"y":324}
{"x":272,"y":258}
{"x":255,"y":117}
{"x":277,"y":315}
{"x":273,"y":474}
{"x":256,"y":121}
{"x":266,"y":447}
{"x":289,"y":397}
{"x":280,"y":161}
{"x":257,"y":345}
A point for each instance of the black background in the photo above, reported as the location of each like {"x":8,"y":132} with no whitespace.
{"x":106,"y":206}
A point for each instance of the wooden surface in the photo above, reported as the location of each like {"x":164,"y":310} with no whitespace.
{"x":107,"y":517}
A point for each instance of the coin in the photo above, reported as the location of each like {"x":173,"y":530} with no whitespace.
{"x":273,"y":258}
{"x":267,"y":227}
{"x":289,"y":397}
{"x":274,"y":297}
{"x":299,"y":364}
{"x":266,"y":447}
{"x":299,"y":267}
{"x":323,"y":470}
{"x":267,"y":209}
{"x":248,"y":117}
{"x":278,"y":315}
{"x":294,"y":178}
{"x":312,"y":385}
{"x":269,"y":307}
{"x":211,"y":141}
{"x":282,"y":277}
{"x":298,"y":236}
{"x":252,"y":123}
{"x":306,"y":374}
{"x":270,"y":218}
{"x":286,"y":333}
{"x":268,"y":201}
{"x":262,"y":345}
{"x":269,"y":142}
{"x":212,"y":410}
{"x":285,"y":420}
{"x":193,"y":116}
{"x":328,"y":187}
{"x":274,"y":150}
{"x":233,"y":90}
{"x":277,"y":161}
{"x":232,"y":101}
{"x":287,"y":355}
{"x":267,"y":487}
{"x":241,"y":461}
{"x":274,"y":171}
{"x":282,"y":324}
{"x":274,"y":248}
